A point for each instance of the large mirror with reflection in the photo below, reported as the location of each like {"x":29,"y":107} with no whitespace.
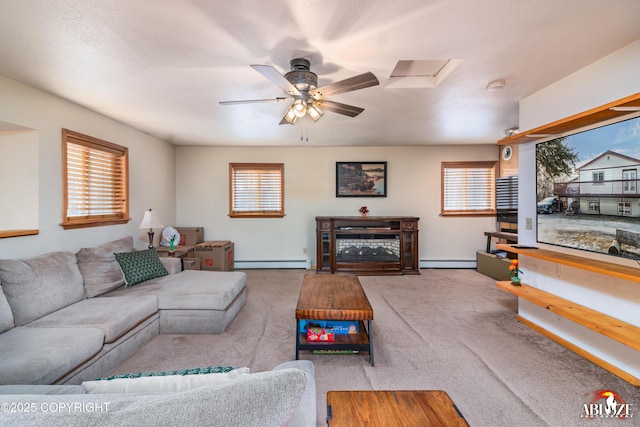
{"x":588,"y":194}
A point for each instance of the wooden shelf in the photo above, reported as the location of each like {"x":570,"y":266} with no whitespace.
{"x":583,"y":263}
{"x":577,"y":121}
{"x":615,"y":329}
{"x":17,"y":233}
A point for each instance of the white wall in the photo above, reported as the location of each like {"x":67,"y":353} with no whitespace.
{"x":613,"y":77}
{"x":413,"y":190}
{"x":19,"y":164}
{"x":151,"y":171}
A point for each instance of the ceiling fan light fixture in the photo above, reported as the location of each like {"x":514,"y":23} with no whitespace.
{"x":314,"y":112}
{"x":290,"y":116}
{"x":299,"y":107}
{"x":301,"y":85}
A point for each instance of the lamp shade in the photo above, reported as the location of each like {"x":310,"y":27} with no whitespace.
{"x":150,"y":220}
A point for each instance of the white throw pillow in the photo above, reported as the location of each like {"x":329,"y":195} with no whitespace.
{"x":161,"y":382}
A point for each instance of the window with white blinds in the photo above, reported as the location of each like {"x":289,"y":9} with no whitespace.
{"x":256,"y":190}
{"x":468,"y":188}
{"x":96,"y":181}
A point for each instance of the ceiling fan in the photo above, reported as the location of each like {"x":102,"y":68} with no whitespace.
{"x":301,"y":84}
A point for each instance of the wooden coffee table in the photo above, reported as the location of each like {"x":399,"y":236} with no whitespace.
{"x":335,"y":297}
{"x":419,"y":408}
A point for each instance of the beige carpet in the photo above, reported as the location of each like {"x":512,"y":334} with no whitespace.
{"x":449,"y":330}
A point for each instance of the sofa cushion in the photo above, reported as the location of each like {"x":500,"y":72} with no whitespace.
{"x":164,"y":382}
{"x":191,"y":290}
{"x":6,"y":316}
{"x":139,"y":266}
{"x":43,"y":355}
{"x":41,"y":285}
{"x":114,"y":316}
{"x":172,"y":264}
{"x":99,"y":268}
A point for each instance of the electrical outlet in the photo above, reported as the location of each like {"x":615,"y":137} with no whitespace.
{"x":304,"y":251}
{"x":528,"y":224}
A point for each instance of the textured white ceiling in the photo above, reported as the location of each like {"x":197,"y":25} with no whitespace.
{"x":162,"y":66}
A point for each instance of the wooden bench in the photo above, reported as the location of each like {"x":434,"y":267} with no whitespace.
{"x":335,"y":297}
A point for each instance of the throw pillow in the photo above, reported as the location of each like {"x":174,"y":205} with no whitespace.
{"x":99,"y":267}
{"x":164,"y":382}
{"x":139,"y":266}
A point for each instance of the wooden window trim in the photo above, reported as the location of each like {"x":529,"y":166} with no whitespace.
{"x":122,"y":217}
{"x":256,"y":214}
{"x":468,"y":213}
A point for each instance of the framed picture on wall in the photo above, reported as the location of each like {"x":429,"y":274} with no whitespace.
{"x":361,"y":179}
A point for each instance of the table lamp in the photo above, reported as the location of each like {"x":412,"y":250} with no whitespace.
{"x":150,"y":221}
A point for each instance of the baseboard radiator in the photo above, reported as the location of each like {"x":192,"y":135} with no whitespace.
{"x":266,"y":264}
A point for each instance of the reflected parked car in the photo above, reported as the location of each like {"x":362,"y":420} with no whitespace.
{"x":549,"y":205}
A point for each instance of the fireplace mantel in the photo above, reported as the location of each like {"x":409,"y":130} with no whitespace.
{"x":372,"y":245}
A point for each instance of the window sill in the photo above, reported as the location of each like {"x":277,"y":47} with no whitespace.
{"x":86,"y":224}
{"x":256,"y":215}
{"x":467,"y":214}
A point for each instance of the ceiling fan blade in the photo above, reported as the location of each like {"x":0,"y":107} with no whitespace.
{"x":360,"y":81}
{"x":277,"y":79}
{"x":336,"y":107}
{"x":253,"y":101}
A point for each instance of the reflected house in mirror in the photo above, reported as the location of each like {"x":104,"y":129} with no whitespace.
{"x":587,"y":190}
{"x":361,"y":179}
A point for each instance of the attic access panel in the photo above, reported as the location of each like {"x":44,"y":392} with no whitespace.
{"x":417,"y":74}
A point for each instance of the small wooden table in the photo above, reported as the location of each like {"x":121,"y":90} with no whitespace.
{"x":335,"y":297}
{"x":509,"y":237}
{"x":419,"y":408}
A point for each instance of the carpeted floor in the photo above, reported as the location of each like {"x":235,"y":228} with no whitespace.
{"x":449,"y":330}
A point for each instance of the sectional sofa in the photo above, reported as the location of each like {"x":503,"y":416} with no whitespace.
{"x":284,"y":396}
{"x":70,"y":317}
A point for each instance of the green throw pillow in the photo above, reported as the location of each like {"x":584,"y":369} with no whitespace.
{"x":165,"y":382}
{"x":192,"y":371}
{"x":139,"y":266}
